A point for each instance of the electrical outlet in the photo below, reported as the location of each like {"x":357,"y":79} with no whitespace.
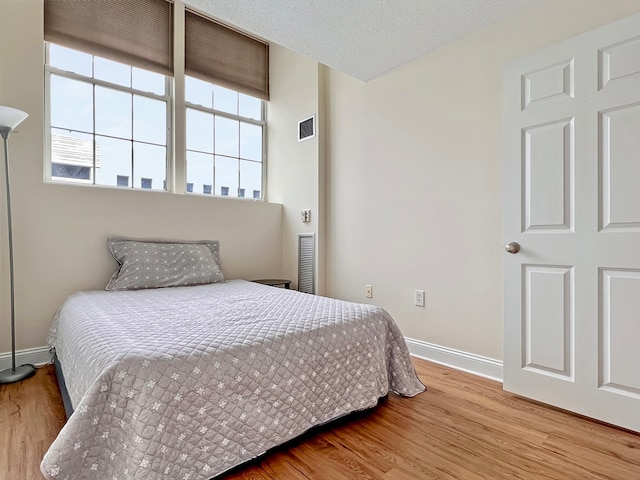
{"x":368,"y":291}
{"x":419,"y":298}
{"x":305,"y":215}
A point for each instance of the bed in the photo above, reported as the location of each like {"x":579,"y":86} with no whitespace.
{"x":187,"y":382}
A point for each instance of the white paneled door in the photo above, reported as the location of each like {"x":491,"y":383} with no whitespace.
{"x":572,"y":206}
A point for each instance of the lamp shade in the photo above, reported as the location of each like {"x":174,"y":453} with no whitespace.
{"x":11,"y":117}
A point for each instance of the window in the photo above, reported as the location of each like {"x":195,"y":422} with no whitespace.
{"x":107,"y":120}
{"x":224,"y":137}
{"x":110,"y":97}
{"x":123,"y":181}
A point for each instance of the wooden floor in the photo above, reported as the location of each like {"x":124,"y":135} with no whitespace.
{"x":463,"y":427}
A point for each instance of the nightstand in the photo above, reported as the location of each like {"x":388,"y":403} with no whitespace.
{"x":274,"y":282}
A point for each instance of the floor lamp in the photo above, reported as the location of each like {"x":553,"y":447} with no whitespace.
{"x":10,"y":118}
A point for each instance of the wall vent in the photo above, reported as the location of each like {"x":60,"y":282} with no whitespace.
{"x":307,"y":128}
{"x":306,"y":262}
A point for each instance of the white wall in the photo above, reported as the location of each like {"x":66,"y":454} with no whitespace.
{"x":60,"y":230}
{"x":414,"y":178}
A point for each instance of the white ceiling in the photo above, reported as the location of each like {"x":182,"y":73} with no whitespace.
{"x":362,"y":38}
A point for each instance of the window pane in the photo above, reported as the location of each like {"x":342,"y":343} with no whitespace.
{"x":199,"y":171}
{"x":113,"y":159}
{"x":149,"y":120}
{"x":199,"y":131}
{"x":251,"y":142}
{"x":148,"y":81}
{"x":71,"y":154}
{"x":225,"y":100}
{"x":149,"y":163}
{"x":226,"y":175}
{"x":250,"y":107}
{"x":71,"y":104}
{"x":198,"y":92}
{"x":70,"y":60}
{"x":227,"y":136}
{"x":250,"y":176}
{"x":111,"y":71}
{"x":113,"y":113}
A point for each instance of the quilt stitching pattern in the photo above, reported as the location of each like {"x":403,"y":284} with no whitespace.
{"x":256,"y":366}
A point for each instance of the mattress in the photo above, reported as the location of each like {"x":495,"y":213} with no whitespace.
{"x":188,"y":382}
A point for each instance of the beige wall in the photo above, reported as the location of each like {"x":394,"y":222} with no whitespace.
{"x":295,"y":174}
{"x":60,"y":230}
{"x":414,"y":178}
{"x":411,"y":196}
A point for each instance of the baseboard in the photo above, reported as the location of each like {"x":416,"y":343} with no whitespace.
{"x":31,"y":356}
{"x":467,"y":362}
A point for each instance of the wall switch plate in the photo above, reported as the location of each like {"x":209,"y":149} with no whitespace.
{"x":419,"y":298}
{"x":368,"y":291}
{"x":305,"y":215}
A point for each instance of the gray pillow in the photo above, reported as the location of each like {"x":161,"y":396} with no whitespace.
{"x":163,"y":263}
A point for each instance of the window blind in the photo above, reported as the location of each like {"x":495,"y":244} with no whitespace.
{"x":135,"y":32}
{"x":221,"y":55}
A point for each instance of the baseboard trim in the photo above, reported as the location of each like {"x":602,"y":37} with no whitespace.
{"x":467,"y":362}
{"x":31,"y":356}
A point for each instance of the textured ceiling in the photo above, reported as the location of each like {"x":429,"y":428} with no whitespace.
{"x":362,"y":38}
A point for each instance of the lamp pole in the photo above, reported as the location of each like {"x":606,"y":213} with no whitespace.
{"x":10,"y":118}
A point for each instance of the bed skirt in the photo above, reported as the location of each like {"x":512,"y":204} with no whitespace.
{"x":66,"y":400}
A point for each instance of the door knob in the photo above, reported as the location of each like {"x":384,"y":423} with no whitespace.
{"x":512,"y":247}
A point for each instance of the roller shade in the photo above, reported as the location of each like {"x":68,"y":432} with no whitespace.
{"x":135,"y":32}
{"x":221,"y":55}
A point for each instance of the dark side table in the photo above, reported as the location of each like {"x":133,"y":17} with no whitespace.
{"x":274,"y":282}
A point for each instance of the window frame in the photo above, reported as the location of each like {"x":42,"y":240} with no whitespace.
{"x":169,"y":136}
{"x":261,"y":123}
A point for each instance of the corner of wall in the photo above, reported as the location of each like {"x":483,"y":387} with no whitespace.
{"x":296,"y":169}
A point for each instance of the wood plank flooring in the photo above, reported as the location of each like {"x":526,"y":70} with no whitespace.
{"x":463,"y":427}
{"x":31,"y":415}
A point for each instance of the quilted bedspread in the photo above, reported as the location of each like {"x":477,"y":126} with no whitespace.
{"x":185,"y":383}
